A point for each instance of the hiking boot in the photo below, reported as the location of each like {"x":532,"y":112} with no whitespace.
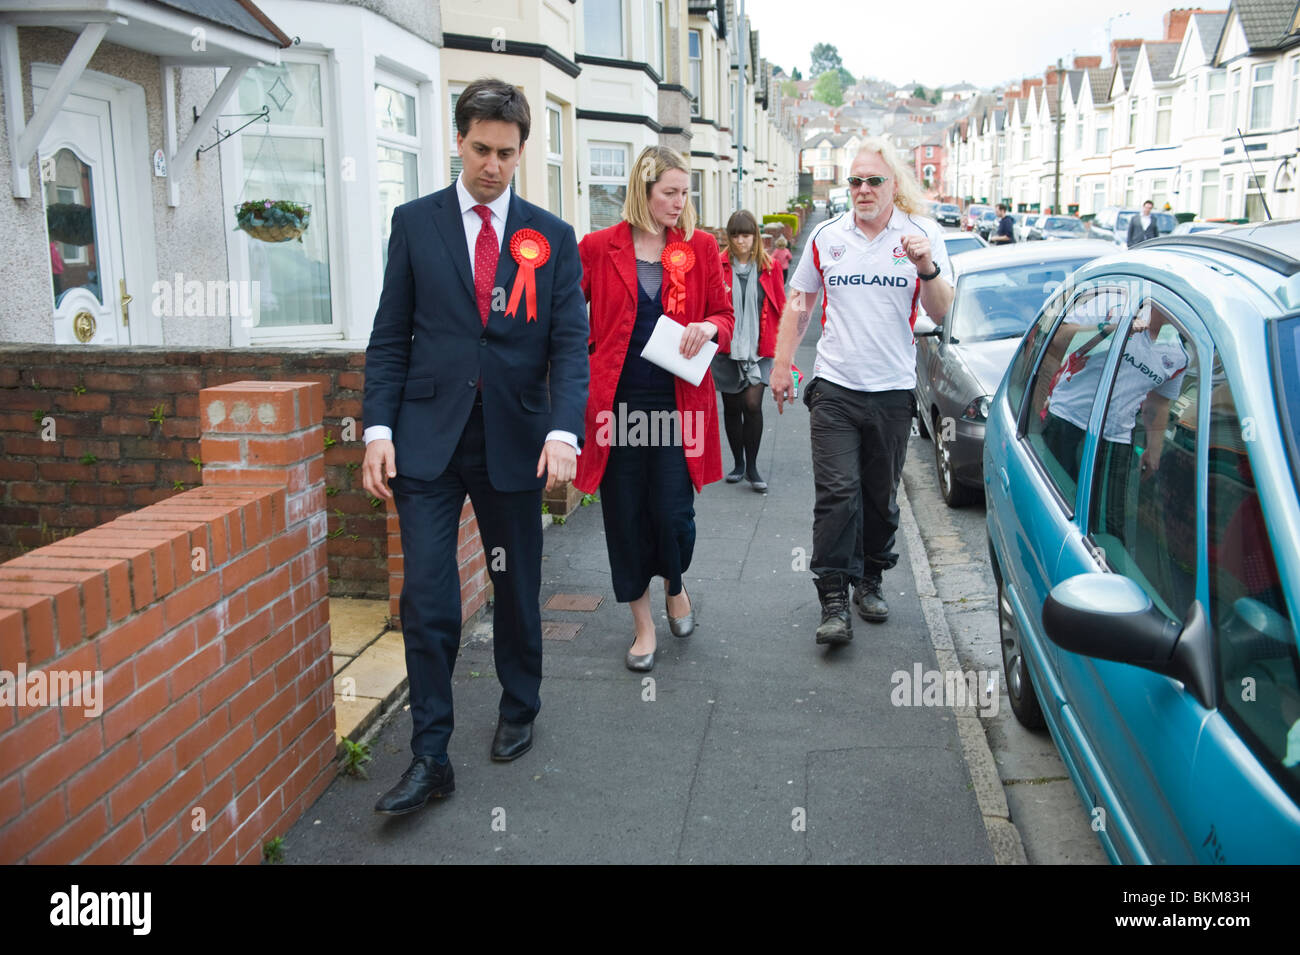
{"x":869,"y":600}
{"x":837,"y":622}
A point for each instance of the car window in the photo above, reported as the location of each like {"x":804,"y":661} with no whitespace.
{"x":1000,"y":303}
{"x":1064,"y":224}
{"x":1143,"y":507}
{"x":1165,"y":223}
{"x":1066,"y":382}
{"x":1255,"y":636}
{"x":1028,"y":351}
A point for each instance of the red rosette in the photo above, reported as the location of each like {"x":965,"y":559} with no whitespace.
{"x":531,"y":251}
{"x":678,"y":259}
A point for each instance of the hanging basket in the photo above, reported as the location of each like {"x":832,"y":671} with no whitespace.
{"x":273,"y":220}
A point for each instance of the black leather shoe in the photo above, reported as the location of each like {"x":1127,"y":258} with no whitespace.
{"x":870,"y":601}
{"x":423,"y":780}
{"x":512,"y":740}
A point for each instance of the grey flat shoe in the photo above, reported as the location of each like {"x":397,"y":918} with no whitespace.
{"x":642,"y":663}
{"x":681,"y":626}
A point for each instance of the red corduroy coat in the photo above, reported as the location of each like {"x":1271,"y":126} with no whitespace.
{"x":609,"y":282}
{"x":772,"y":282}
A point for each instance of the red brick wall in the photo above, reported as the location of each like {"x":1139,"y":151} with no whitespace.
{"x":206,"y":617}
{"x":101,"y":401}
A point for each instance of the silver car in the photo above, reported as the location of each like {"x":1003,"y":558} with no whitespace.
{"x":999,"y":292}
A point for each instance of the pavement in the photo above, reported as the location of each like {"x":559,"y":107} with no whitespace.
{"x":748,"y":743}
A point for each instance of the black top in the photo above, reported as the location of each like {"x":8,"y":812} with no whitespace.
{"x":641,"y":383}
{"x":1008,"y":228}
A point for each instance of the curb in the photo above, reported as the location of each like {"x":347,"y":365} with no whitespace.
{"x":1004,"y":837}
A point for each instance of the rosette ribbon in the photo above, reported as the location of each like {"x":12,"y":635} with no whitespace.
{"x":678,"y":259}
{"x":530,"y":250}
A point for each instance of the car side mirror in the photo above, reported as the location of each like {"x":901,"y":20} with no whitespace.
{"x":1110,"y":617}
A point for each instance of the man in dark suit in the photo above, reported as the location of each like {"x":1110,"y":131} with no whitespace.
{"x":463,"y":397}
{"x":1142,"y":227}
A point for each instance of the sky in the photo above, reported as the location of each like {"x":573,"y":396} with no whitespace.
{"x":943,"y":42}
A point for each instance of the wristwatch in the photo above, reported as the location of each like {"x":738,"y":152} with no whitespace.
{"x":932,"y":275}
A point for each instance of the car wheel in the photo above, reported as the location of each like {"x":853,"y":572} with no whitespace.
{"x":1020,"y":685}
{"x":954,"y":494}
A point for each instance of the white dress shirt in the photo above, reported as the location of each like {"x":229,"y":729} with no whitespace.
{"x":472,"y":222}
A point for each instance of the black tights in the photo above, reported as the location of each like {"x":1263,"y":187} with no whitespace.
{"x":743,"y":419}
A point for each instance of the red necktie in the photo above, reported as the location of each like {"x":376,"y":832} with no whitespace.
{"x":485,"y":262}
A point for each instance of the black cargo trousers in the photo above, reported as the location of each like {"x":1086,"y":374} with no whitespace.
{"x":859,"y":442}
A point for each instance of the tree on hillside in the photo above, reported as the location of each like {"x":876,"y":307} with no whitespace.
{"x":824,"y":57}
{"x":796,"y":75}
{"x":919,"y":92}
{"x":829,"y":89}
{"x":847,"y":79}
{"x":938,"y":95}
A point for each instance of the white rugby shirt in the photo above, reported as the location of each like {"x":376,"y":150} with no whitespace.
{"x":872,"y":299}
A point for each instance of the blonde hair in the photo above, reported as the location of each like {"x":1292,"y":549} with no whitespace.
{"x":742,"y":222}
{"x":653,"y":162}
{"x":908,"y":196}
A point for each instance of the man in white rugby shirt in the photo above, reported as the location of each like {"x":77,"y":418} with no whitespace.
{"x":878,"y":264}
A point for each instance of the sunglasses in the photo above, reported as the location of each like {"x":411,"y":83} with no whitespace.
{"x":875,"y":182}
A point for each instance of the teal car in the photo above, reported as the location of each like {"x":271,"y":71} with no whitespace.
{"x":1142,"y":479}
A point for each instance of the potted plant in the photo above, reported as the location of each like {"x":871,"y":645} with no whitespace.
{"x":273,"y":220}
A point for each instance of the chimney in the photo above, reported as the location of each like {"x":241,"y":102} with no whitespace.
{"x":1087,"y":62}
{"x":1176,"y":22}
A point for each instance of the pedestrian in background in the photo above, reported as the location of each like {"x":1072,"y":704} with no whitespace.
{"x":744,"y":370}
{"x":1143,"y":227}
{"x":782,"y":256}
{"x":1006,"y":233}
{"x":653,"y":263}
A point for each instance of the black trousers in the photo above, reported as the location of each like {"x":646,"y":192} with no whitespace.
{"x":510,"y":524}
{"x":859,"y":442}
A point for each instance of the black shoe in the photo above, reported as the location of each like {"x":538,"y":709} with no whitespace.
{"x":869,"y":600}
{"x":424,"y":779}
{"x":737,"y":475}
{"x":511,"y":741}
{"x":837,"y":622}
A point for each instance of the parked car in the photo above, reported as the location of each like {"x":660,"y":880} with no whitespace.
{"x":1191,"y":228}
{"x":1142,"y":475}
{"x":958,"y":366}
{"x":972,"y":216}
{"x":957,"y":242}
{"x":1165,"y":224}
{"x":819,"y":205}
{"x":948,"y":214}
{"x":986,"y":224}
{"x":1026,"y":225}
{"x":1059,"y":227}
{"x":1102,"y":225}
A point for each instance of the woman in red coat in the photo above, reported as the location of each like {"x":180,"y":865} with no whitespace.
{"x":651,"y":438}
{"x":742,"y":370}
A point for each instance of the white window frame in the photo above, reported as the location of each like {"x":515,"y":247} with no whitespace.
{"x":1209,"y":180}
{"x":659,"y":34}
{"x":1165,"y":116}
{"x":605,"y":179}
{"x":233,"y":177}
{"x":695,"y":71}
{"x":697,"y":192}
{"x":1216,"y":97}
{"x":400,"y":141}
{"x":554,"y":156}
{"x":622,"y":28}
{"x":1256,"y":88}
{"x":453,"y":154}
{"x":1234,"y":99}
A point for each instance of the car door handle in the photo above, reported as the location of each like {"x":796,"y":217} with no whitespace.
{"x":1005,"y":479}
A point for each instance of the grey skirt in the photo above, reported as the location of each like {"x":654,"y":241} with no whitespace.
{"x":730,"y":375}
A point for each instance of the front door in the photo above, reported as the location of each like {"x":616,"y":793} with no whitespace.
{"x":79,"y":186}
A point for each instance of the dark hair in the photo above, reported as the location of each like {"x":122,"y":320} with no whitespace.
{"x":1148,"y":202}
{"x":490,"y":99}
{"x":742,"y":222}
{"x":1003,"y":208}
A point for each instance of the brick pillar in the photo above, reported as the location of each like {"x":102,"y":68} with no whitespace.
{"x":270,"y":433}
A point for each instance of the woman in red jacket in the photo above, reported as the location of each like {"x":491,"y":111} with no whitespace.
{"x":651,"y":438}
{"x":743,"y":369}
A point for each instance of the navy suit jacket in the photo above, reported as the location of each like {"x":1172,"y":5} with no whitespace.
{"x":429,"y":346}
